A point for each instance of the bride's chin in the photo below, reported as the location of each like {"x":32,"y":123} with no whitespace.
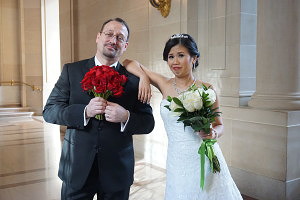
{"x":177,"y":74}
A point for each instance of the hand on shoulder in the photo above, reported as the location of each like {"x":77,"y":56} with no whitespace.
{"x":134,"y":67}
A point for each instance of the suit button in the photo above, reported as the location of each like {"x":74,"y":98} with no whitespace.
{"x":97,"y":148}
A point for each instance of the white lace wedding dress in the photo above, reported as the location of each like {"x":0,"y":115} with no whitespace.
{"x":183,"y":165}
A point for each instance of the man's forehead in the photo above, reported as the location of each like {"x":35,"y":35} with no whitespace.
{"x":115,"y":26}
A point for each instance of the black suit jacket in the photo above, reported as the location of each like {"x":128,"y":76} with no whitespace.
{"x":65,"y":106}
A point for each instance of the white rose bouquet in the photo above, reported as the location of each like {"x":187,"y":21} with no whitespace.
{"x":195,"y":108}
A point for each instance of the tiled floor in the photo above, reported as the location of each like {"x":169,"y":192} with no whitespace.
{"x":30,"y":151}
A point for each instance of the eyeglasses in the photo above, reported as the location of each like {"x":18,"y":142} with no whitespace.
{"x":109,"y":35}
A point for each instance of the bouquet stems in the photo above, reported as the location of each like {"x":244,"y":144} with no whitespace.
{"x":206,"y":149}
{"x":104,"y":96}
{"x":99,"y":116}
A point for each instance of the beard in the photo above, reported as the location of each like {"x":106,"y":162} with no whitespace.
{"x":109,"y":52}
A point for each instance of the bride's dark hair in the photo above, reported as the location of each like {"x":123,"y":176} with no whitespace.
{"x":185,"y":40}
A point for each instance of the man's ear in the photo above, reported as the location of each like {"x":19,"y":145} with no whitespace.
{"x":126,"y":45}
{"x":98,"y":36}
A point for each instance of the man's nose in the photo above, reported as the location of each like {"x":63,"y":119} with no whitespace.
{"x":113,"y":39}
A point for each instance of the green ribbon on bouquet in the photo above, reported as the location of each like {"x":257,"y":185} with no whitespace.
{"x":206,"y":148}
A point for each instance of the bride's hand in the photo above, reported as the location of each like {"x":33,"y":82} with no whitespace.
{"x":212,"y":135}
{"x":134,"y":67}
{"x":144,"y":90}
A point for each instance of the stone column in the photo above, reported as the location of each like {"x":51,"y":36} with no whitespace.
{"x":278,"y":66}
{"x":50,"y":45}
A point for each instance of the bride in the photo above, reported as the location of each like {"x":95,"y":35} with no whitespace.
{"x":183,"y":161}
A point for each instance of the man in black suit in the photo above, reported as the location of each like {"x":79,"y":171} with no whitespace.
{"x":97,"y":155}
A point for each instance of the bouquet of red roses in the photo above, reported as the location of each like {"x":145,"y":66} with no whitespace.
{"x":103,"y":81}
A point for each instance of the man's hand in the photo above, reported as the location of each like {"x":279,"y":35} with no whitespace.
{"x":96,"y":106}
{"x":115,"y":113}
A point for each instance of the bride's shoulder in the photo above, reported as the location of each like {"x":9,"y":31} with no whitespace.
{"x":165,"y":87}
{"x":167,"y":82}
{"x":199,"y":83}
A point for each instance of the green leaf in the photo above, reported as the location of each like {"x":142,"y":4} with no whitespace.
{"x":177,"y":101}
{"x":168,"y":107}
{"x":197,"y":127}
{"x":169,"y":99}
{"x":179,"y":110}
{"x":205,"y":88}
{"x":193,"y":87}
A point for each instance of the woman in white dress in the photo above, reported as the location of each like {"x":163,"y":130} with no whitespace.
{"x":183,"y":161}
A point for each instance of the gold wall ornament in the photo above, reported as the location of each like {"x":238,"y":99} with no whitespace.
{"x":163,"y":6}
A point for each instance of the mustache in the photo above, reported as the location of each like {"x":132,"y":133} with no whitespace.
{"x":112,"y":45}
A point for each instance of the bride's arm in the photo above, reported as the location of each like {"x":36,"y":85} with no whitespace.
{"x":217,"y":126}
{"x":146,"y":77}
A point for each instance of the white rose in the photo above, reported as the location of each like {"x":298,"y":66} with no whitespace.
{"x":198,"y":103}
{"x":192,"y":101}
{"x":211,"y":96}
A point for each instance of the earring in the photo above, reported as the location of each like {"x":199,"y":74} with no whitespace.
{"x":194,"y":66}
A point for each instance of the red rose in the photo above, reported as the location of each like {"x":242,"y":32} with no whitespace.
{"x":103,"y":81}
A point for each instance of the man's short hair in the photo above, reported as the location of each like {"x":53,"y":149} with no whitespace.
{"x":117,"y":20}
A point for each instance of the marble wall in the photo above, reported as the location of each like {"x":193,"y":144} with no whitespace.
{"x":10,"y":96}
{"x":20,"y":52}
{"x":10,"y":61}
{"x":31,"y":51}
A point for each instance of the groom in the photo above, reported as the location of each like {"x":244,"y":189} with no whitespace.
{"x":97,"y":156}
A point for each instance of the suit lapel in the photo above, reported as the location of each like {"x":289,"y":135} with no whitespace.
{"x":84,"y":69}
{"x":119,"y":68}
{"x":90,"y":64}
